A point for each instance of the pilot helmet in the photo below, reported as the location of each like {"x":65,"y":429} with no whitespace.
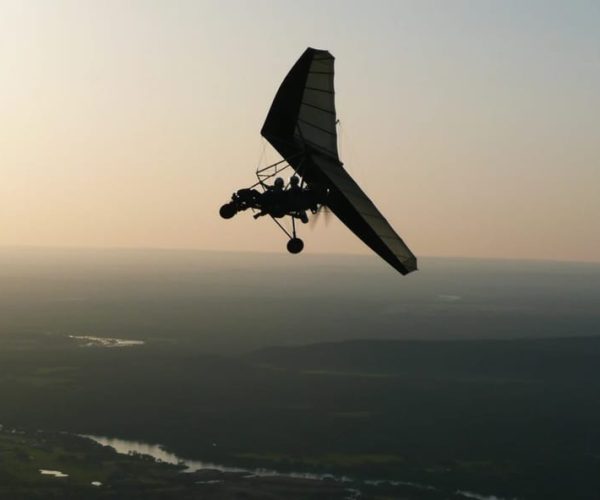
{"x":294,"y":180}
{"x":279,"y":182}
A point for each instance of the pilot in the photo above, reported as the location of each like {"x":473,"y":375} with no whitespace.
{"x":278,"y":185}
{"x":273,"y":200}
{"x":275,"y":193}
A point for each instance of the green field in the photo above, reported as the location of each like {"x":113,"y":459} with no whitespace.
{"x":256,"y":361}
{"x":508,"y":418}
{"x":24,"y":454}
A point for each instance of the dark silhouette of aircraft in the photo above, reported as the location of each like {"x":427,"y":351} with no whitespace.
{"x":301,"y":126}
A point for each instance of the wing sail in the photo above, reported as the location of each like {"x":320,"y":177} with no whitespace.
{"x":354,"y":208}
{"x":301,"y":126}
{"x":303,"y":111}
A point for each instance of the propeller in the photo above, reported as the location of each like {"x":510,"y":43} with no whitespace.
{"x":323,"y":213}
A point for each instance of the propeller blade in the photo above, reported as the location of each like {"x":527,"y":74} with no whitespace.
{"x":326,"y":216}
{"x":323,"y":213}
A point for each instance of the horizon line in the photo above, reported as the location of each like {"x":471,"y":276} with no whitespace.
{"x":267,"y":252}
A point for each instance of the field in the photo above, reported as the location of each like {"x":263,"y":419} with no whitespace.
{"x":510,"y":418}
{"x":258,"y":366}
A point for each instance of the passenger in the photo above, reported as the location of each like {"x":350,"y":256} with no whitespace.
{"x":297,"y":199}
{"x":295,"y":184}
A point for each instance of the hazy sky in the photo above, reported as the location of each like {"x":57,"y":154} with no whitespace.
{"x":474,"y":126}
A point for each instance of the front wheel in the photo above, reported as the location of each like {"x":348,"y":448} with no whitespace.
{"x":227,"y":211}
{"x":295,"y":245}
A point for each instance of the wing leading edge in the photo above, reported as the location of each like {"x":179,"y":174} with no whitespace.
{"x":301,"y":126}
{"x":354,"y":208}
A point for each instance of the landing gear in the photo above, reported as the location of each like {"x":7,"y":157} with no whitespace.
{"x":295,"y":245}
{"x":227,"y":211}
{"x":277,"y":203}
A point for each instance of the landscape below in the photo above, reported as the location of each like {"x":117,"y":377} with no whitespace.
{"x":512,"y":415}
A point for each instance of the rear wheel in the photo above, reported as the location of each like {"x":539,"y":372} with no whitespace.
{"x":227,"y":211}
{"x":295,"y":245}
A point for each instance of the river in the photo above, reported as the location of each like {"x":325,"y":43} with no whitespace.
{"x":156,"y":451}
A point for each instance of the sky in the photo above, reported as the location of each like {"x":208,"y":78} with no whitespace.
{"x":473,"y":126}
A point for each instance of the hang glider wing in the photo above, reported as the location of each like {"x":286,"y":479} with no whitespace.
{"x":301,"y":126}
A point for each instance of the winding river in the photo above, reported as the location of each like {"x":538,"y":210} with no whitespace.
{"x":156,"y":451}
